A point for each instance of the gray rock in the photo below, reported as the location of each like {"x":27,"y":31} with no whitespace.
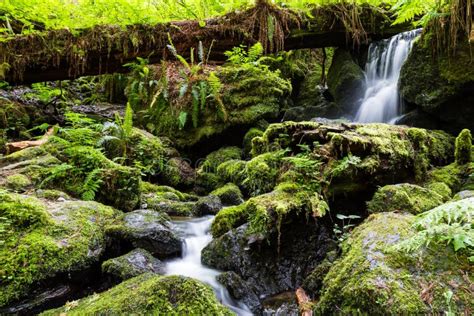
{"x":208,"y":205}
{"x":149,"y":230}
{"x":134,"y":263}
{"x":239,"y":290}
{"x":266,"y":268}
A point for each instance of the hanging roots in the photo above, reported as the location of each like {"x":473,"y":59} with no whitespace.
{"x":270,"y":24}
{"x":454,"y":28}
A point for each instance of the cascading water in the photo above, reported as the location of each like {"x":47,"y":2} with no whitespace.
{"x":197,"y":235}
{"x":382,"y":102}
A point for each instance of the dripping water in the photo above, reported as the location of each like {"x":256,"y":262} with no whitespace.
{"x":197,"y":235}
{"x":382,"y":102}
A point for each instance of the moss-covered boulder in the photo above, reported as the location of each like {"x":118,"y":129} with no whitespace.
{"x":463,"y":147}
{"x":229,"y":194}
{"x":405,"y":197}
{"x":149,"y":230}
{"x":247,"y":141}
{"x":249,"y":94}
{"x":136,"y":262}
{"x":214,"y":159}
{"x":42,"y":239}
{"x":178,"y":173}
{"x":149,"y":294}
{"x":345,"y":80}
{"x":17,"y":182}
{"x":386,"y":267}
{"x":440,"y":85}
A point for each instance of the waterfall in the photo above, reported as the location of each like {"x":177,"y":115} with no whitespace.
{"x":382,"y":102}
{"x":197,"y":235}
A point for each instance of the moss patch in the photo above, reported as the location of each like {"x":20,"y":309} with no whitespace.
{"x":42,"y":239}
{"x":148,"y":293}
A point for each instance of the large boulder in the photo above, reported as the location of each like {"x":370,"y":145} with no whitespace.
{"x":346,"y":81}
{"x":277,"y":265}
{"x":44,"y":240}
{"x":440,"y":86}
{"x":134,"y":263}
{"x":396,"y":263}
{"x":149,"y":294}
{"x":149,"y":230}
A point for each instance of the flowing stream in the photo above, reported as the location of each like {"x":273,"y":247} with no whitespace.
{"x":382,"y":102}
{"x":197,"y":235}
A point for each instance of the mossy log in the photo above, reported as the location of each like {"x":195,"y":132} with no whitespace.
{"x":66,"y":54}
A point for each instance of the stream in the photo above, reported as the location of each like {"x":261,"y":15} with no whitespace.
{"x":196,"y":233}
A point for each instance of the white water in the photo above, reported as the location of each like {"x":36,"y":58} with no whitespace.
{"x":197,"y":235}
{"x":382,"y":102}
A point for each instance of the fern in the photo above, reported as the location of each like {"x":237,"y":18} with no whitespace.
{"x":196,"y":100}
{"x":182,"y":119}
{"x":91,"y":185}
{"x":215,"y":86}
{"x":128,"y":120}
{"x":56,"y":173}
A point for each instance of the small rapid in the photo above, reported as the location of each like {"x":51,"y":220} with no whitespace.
{"x":382,"y":102}
{"x":196,"y":233}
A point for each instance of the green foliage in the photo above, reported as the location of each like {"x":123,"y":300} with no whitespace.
{"x":239,"y":56}
{"x":449,"y":224}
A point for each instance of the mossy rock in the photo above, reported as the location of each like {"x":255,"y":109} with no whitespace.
{"x":232,"y":171}
{"x":463,"y":147}
{"x":441,"y":86}
{"x":267,"y":212}
{"x":136,"y":262}
{"x":18,"y":182}
{"x":149,"y":230}
{"x":16,"y":119}
{"x":229,"y":194}
{"x":404,"y":197}
{"x":214,"y":159}
{"x":345,"y":80}
{"x":376,"y":275}
{"x":247,"y":141}
{"x":178,"y":173}
{"x":249,"y":95}
{"x":42,"y":240}
{"x":149,"y":294}
{"x":165,"y":191}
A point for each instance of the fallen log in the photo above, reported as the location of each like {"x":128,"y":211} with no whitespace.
{"x":63,"y":54}
{"x":17,"y":146}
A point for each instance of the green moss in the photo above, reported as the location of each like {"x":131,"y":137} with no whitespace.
{"x":165,"y":191}
{"x":214,"y":159}
{"x":18,"y":182}
{"x":344,"y":78}
{"x":178,"y":173}
{"x":149,"y":294}
{"x":41,"y":240}
{"x":265,"y":213}
{"x":232,"y":171}
{"x":463,"y":147}
{"x":229,"y":218}
{"x":249,"y":136}
{"x":261,"y":172}
{"x":451,"y":175}
{"x":229,"y":194}
{"x":404,"y":197}
{"x":207,"y":181}
{"x":373,"y":277}
{"x":52,"y":195}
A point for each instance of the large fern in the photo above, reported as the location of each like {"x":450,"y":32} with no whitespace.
{"x":216,"y":86}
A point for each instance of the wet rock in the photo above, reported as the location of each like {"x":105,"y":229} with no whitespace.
{"x":239,"y":290}
{"x":418,"y":118}
{"x":208,"y":205}
{"x":100,"y":110}
{"x":149,"y":293}
{"x":270,"y":267}
{"x":172,"y":208}
{"x":282,"y":304}
{"x":149,"y":230}
{"x":345,"y":81}
{"x":134,"y":263}
{"x":299,"y":114}
{"x":440,"y":86}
